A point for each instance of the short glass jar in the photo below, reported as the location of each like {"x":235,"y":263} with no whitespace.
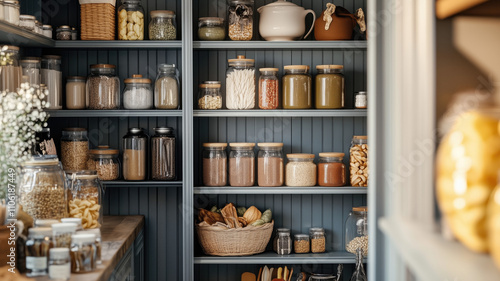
{"x":240,"y":83}
{"x":138,"y":93}
{"x":356,"y":231}
{"x":105,"y":161}
{"x":27,"y":22}
{"x":163,"y":154}
{"x":209,"y":96}
{"x":103,"y":87}
{"x":214,"y":164}
{"x":83,"y":253}
{"x":76,"y":93}
{"x":98,"y":241}
{"x":130,"y":20}
{"x":297,"y":87}
{"x":37,"y":250}
{"x":135,"y":147}
{"x":61,"y":234}
{"x":241,"y":164}
{"x":86,"y":192}
{"x":318,"y":240}
{"x":358,"y":166}
{"x":331,"y":169}
{"x":47,"y":30}
{"x":10,"y":71}
{"x":329,"y":87}
{"x":166,"y":94}
{"x":74,"y":34}
{"x":301,"y":244}
{"x":77,"y":221}
{"x":240,"y":20}
{"x":74,"y":149}
{"x":52,"y":78}
{"x":59,"y":264}
{"x":268,"y":88}
{"x":63,"y":32}
{"x":360,"y":100}
{"x":11,"y":11}
{"x":282,"y":243}
{"x":211,"y":29}
{"x":270,"y":170}
{"x":300,"y":170}
{"x":31,"y":69}
{"x":162,"y":25}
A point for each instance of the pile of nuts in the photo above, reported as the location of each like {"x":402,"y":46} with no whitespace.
{"x":356,"y":243}
{"x":318,"y":245}
{"x":210,"y":102}
{"x":241,"y":33}
{"x":301,"y":246}
{"x":130,"y":25}
{"x":359,"y":165}
{"x":86,"y":207}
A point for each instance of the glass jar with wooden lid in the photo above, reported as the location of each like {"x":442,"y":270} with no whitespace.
{"x":241,"y":164}
{"x":329,"y":87}
{"x":214,"y":164}
{"x":270,"y":164}
{"x":209,"y":96}
{"x":331,"y":169}
{"x":104,"y":160}
{"x":297,"y":87}
{"x":103,"y":87}
{"x":300,"y":170}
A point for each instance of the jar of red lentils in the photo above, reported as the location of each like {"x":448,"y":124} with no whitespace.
{"x":331,"y":169}
{"x":268,"y":88}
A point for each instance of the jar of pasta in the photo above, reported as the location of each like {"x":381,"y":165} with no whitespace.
{"x":214,"y":164}
{"x":297,"y":87}
{"x":85,"y":197}
{"x":300,"y":170}
{"x":359,"y":161}
{"x":131,"y":20}
{"x":240,"y":83}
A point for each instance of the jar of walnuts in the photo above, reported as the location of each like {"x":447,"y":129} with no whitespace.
{"x":85,"y":195}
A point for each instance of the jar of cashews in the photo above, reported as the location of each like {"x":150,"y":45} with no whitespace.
{"x":131,"y":20}
{"x":84,"y":198}
{"x":359,"y":161}
{"x":240,"y":83}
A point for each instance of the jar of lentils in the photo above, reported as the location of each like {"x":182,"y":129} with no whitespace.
{"x":268,"y":88}
{"x":300,"y":170}
{"x":103,"y":87}
{"x":162,"y":25}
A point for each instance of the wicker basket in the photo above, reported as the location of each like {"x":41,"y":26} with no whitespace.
{"x":250,"y":240}
{"x":97,"y":21}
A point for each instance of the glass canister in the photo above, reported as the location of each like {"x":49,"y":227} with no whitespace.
{"x":162,"y":25}
{"x":74,"y":34}
{"x":42,"y":188}
{"x":241,"y":164}
{"x":301,"y":244}
{"x":270,"y":168}
{"x":61,"y":234}
{"x":84,"y":202}
{"x":74,"y":149}
{"x":27,"y":22}
{"x":330,"y":87}
{"x":10,"y":71}
{"x":268,"y":88}
{"x":76,"y":93}
{"x":359,"y":161}
{"x":167,"y":87}
{"x":11,"y":11}
{"x":318,"y":240}
{"x":214,"y":164}
{"x":135,"y":147}
{"x":47,"y":30}
{"x":77,"y":221}
{"x":63,"y":32}
{"x":356,"y":231}
{"x":331,"y":169}
{"x":360,"y":100}
{"x":211,"y":29}
{"x":45,"y":223}
{"x":105,"y":161}
{"x":240,"y":83}
{"x":83,"y":253}
{"x":37,"y":250}
{"x":282,"y":243}
{"x":209,"y":96}
{"x":59,"y":264}
{"x":131,"y":20}
{"x":163,"y":154}
{"x":98,"y":241}
{"x":138,"y":93}
{"x":31,"y":69}
{"x":297,"y":87}
{"x":2,"y":10}
{"x":52,"y":78}
{"x":103,"y":87}
{"x":300,"y":170}
{"x":240,"y":20}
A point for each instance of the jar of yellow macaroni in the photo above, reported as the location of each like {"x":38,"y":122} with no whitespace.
{"x":131,"y":20}
{"x":84,"y":199}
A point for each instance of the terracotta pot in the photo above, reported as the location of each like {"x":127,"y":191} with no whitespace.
{"x":340,"y":28}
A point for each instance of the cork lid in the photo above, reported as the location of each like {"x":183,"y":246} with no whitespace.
{"x":76,"y":78}
{"x":162,"y":14}
{"x":359,"y":137}
{"x":41,"y":161}
{"x":104,"y":150}
{"x":242,"y":144}
{"x":270,"y":144}
{"x":211,"y":20}
{"x":301,"y":67}
{"x":102,"y":65}
{"x":300,"y":155}
{"x":330,"y":66}
{"x":137,"y":78}
{"x":27,"y":17}
{"x":360,"y":209}
{"x":241,"y":58}
{"x":268,"y":69}
{"x":215,"y":144}
{"x":210,"y":86}
{"x":331,"y":154}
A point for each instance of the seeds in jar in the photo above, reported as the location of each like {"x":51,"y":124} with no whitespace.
{"x":356,"y":243}
{"x":300,"y":174}
{"x":130,"y":25}
{"x":46,"y":200}
{"x":210,"y":102}
{"x":359,"y":165}
{"x":268,"y":94}
{"x":238,"y":33}
{"x":103,"y":92}
{"x":318,"y":245}
{"x":162,"y":31}
{"x":106,"y":169}
{"x":301,"y":246}
{"x":74,"y":154}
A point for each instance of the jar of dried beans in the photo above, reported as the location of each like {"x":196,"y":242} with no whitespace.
{"x":268,"y":88}
{"x":240,"y":83}
{"x":103,"y":87}
{"x":329,"y":87}
{"x":297,"y":87}
{"x":300,"y":170}
{"x":301,"y":243}
{"x":331,"y":169}
{"x":105,"y":161}
{"x":214,"y":164}
{"x":240,"y":20}
{"x":74,"y":149}
{"x":359,"y":161}
{"x":209,"y":96}
{"x":85,"y":197}
{"x":241,"y":164}
{"x":163,"y":154}
{"x":318,"y":239}
{"x":162,"y":25}
{"x":135,"y":146}
{"x":356,"y":231}
{"x":270,"y":164}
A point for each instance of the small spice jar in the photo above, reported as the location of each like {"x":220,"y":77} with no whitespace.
{"x":31,"y":69}
{"x":301,"y":243}
{"x":359,"y":161}
{"x":282,"y":243}
{"x":47,"y":30}
{"x":61,"y":234}
{"x":59,"y":264}
{"x":76,"y":94}
{"x":74,"y":148}
{"x":163,"y":154}
{"x":329,"y":87}
{"x":270,"y":168}
{"x":74,"y":34}
{"x":331,"y":169}
{"x":167,"y":87}
{"x":214,"y":164}
{"x":77,"y":221}
{"x":240,"y":83}
{"x":52,"y":78}
{"x":300,"y":170}
{"x":105,"y":161}
{"x":268,"y":88}
{"x":130,"y":20}
{"x":103,"y":87}
{"x":135,"y":146}
{"x":11,"y":11}
{"x":85,"y":199}
{"x":318,"y":240}
{"x":98,"y":241}
{"x":37,"y":250}
{"x":83,"y":253}
{"x":211,"y":29}
{"x":138,"y":93}
{"x":241,"y":164}
{"x":360,"y":100}
{"x":240,"y":14}
{"x":63,"y":32}
{"x":297,"y":87}
{"x":209,"y":96}
{"x":27,"y":22}
{"x":356,"y":231}
{"x":162,"y":25}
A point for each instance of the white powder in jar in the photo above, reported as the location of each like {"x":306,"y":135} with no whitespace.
{"x":138,"y":98}
{"x":300,"y":174}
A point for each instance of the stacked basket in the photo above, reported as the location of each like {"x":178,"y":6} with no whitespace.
{"x":98,"y":19}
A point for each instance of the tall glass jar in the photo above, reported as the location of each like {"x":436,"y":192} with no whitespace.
{"x":135,"y":147}
{"x":318,"y":240}
{"x":52,"y":78}
{"x":131,"y":20}
{"x":162,"y":25}
{"x":11,"y":11}
{"x":42,"y":188}
{"x":241,"y":164}
{"x":163,"y":154}
{"x":138,"y":93}
{"x":283,"y":243}
{"x":76,"y":94}
{"x":214,"y":164}
{"x":331,"y":169}
{"x":10,"y":71}
{"x":240,"y":83}
{"x":105,"y":161}
{"x":359,"y":161}
{"x":74,"y":149}
{"x":356,"y":231}
{"x":268,"y":88}
{"x":300,"y":170}
{"x":103,"y":87}
{"x":86,"y":192}
{"x":276,"y":238}
{"x":297,"y":87}
{"x":240,"y":21}
{"x":270,"y":164}
{"x":167,"y":87}
{"x":37,"y":250}
{"x":31,"y":69}
{"x":209,"y":96}
{"x":329,"y":87}
{"x":84,"y":253}
{"x":59,"y":264}
{"x":211,"y":29}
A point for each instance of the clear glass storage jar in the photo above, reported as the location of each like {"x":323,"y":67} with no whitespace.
{"x":282,"y":243}
{"x":240,"y":83}
{"x":167,"y":87}
{"x":209,"y":96}
{"x":301,"y":243}
{"x":10,"y":71}
{"x":59,"y":264}
{"x":163,"y":154}
{"x":84,"y":202}
{"x":31,"y":69}
{"x":76,"y":93}
{"x":98,"y":241}
{"x":135,"y":147}
{"x":74,"y":149}
{"x":300,"y":170}
{"x":359,"y":161}
{"x":356,"y":231}
{"x":241,"y":164}
{"x":268,"y":88}
{"x":63,"y":32}
{"x":131,"y":20}
{"x":27,"y":22}
{"x":318,"y":240}
{"x":105,"y":161}
{"x":331,"y":169}
{"x":61,"y":234}
{"x":2,"y":17}
{"x":77,"y":221}
{"x":52,"y":78}
{"x":42,"y":188}
{"x":74,"y":34}
{"x":297,"y":87}
{"x":211,"y":29}
{"x":37,"y":250}
{"x":47,"y":30}
{"x":138,"y":93}
{"x":214,"y":164}
{"x":11,"y":11}
{"x":329,"y":87}
{"x":270,"y":169}
{"x":162,"y":25}
{"x":360,"y":100}
{"x":38,"y":27}
{"x":103,"y":87}
{"x":83,"y":253}
{"x":240,"y":20}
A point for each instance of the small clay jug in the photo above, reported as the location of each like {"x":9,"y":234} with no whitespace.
{"x":337,"y":23}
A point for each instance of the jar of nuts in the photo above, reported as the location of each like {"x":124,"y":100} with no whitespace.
{"x":359,"y":161}
{"x":240,"y":20}
{"x":318,"y":239}
{"x":356,"y":231}
{"x":209,"y":96}
{"x":74,"y":148}
{"x":105,"y":161}
{"x":131,"y":20}
{"x":85,"y":197}
{"x":301,"y":243}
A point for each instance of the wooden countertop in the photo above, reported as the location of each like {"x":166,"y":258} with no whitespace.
{"x":118,"y":234}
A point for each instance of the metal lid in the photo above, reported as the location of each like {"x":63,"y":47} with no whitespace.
{"x":215,"y":144}
{"x":166,"y":67}
{"x":359,"y":137}
{"x":162,"y":13}
{"x":300,"y":155}
{"x":362,"y":92}
{"x":74,"y":129}
{"x":302,"y":67}
{"x":268,"y":69}
{"x":59,"y":253}
{"x":301,"y":236}
{"x":27,"y":17}
{"x":135,"y":130}
{"x":360,"y":209}
{"x":330,"y":66}
{"x":316,"y":229}
{"x":241,"y":58}
{"x":270,"y":144}
{"x":331,"y":154}
{"x":137,"y":78}
{"x":210,"y":86}
{"x":242,"y":144}
{"x":64,"y":27}
{"x":283,"y":230}
{"x":64,"y":227}
{"x":211,"y":20}
{"x":163,"y":130}
{"x":102,"y":65}
{"x":76,"y":78}
{"x":83,"y":238}
{"x":104,"y":150}
{"x":40,"y":231}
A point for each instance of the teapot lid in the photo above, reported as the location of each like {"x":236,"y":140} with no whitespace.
{"x":280,"y":3}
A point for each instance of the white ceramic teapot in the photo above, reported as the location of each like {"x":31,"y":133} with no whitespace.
{"x":283,"y":21}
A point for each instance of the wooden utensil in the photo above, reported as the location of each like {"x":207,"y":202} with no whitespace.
{"x":280,"y":273}
{"x":271,"y":273}
{"x":291,"y":274}
{"x":260,"y":274}
{"x":285,"y":274}
{"x":248,"y":276}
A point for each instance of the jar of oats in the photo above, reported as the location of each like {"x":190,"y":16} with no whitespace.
{"x":300,"y":170}
{"x":74,"y":149}
{"x":105,"y":161}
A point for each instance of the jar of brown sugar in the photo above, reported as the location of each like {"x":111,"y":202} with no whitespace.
{"x":134,"y":154}
{"x":270,"y":164}
{"x":214,"y":164}
{"x":241,"y":164}
{"x":331,"y":169}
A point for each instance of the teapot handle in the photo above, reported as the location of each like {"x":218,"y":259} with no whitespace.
{"x":314,"y":20}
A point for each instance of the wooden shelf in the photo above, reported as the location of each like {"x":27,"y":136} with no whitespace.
{"x":14,"y":35}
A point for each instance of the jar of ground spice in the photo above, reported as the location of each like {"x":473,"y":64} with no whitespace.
{"x":331,"y":169}
{"x":135,"y":147}
{"x":297,"y":87}
{"x":103,"y":87}
{"x":214,"y":164}
{"x":163,"y":154}
{"x":241,"y":164}
{"x":300,"y":170}
{"x":74,"y":149}
{"x":162,"y":25}
{"x":270,"y":164}
{"x":329,"y":87}
{"x":105,"y":161}
{"x":268,"y":88}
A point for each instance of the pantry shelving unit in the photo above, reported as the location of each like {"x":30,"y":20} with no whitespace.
{"x":16,"y":36}
{"x":115,"y":113}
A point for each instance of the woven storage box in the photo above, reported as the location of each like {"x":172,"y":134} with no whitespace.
{"x":97,"y":21}
{"x":250,"y":240}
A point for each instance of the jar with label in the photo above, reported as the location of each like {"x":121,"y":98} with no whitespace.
{"x":359,"y":161}
{"x":360,"y":100}
{"x":76,"y":94}
{"x":163,"y":154}
{"x":59,"y":264}
{"x":77,"y":221}
{"x":37,"y":250}
{"x":31,"y":69}
{"x":356,"y":231}
{"x":83,"y":253}
{"x":240,"y":20}
{"x":85,"y":197}
{"x":52,"y":78}
{"x":61,"y":234}
{"x":300,"y":170}
{"x":331,"y":169}
{"x":138,"y":93}
{"x":74,"y":34}
{"x":105,"y":161}
{"x":167,"y":87}
{"x":318,"y":240}
{"x":63,"y":32}
{"x":301,"y":244}
{"x":329,"y":87}
{"x":11,"y":11}
{"x":135,"y":146}
{"x":270,"y":168}
{"x":47,"y":30}
{"x":27,"y":22}
{"x":214,"y":164}
{"x":297,"y":87}
{"x":162,"y":25}
{"x":268,"y":88}
{"x":131,"y":20}
{"x":211,"y":29}
{"x":74,"y":149}
{"x":209,"y":96}
{"x":98,"y":241}
{"x":103,"y":87}
{"x":240,"y":83}
{"x":282,"y":243}
{"x":241,"y":164}
{"x":10,"y":71}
